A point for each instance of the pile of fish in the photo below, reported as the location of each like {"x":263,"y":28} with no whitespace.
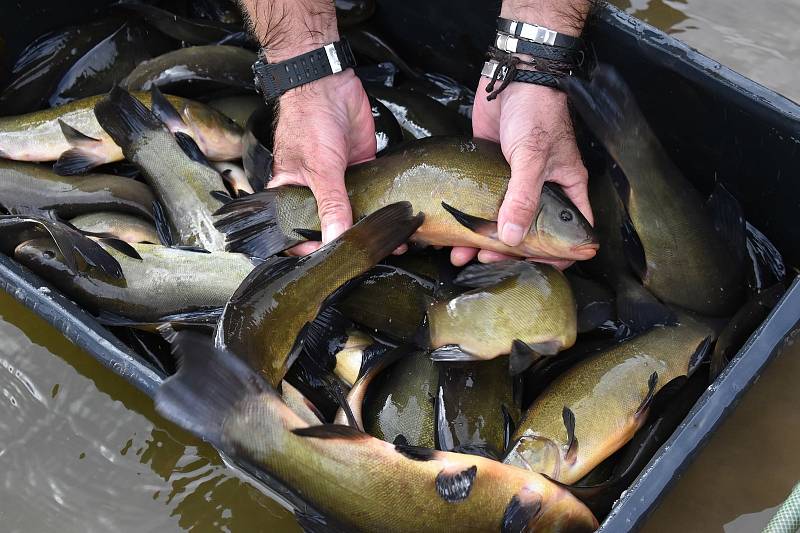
{"x":390,"y":393}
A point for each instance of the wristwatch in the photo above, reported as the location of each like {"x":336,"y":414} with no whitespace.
{"x":274,"y":79}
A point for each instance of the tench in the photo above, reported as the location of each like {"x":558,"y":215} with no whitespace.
{"x":164,"y":282}
{"x":349,"y":359}
{"x":181,"y":178}
{"x":681,"y":252}
{"x":594,"y":408}
{"x":476,"y":411}
{"x":399,"y":404}
{"x":238,"y":108}
{"x":122,"y":226}
{"x":361,"y":482}
{"x":418,"y":115}
{"x":519,"y":308}
{"x":267,"y":320}
{"x":30,"y":188}
{"x":71,"y":134}
{"x":457,"y":182}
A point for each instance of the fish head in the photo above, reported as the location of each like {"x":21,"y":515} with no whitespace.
{"x":219,"y":137}
{"x":43,"y":257}
{"x":537,"y":454}
{"x":561,"y":230}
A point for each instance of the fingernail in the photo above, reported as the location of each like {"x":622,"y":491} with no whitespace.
{"x":332,"y":231}
{"x":511,"y":234}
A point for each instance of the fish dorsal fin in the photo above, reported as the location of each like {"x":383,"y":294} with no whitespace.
{"x":729,"y":220}
{"x":75,"y":137}
{"x":652,"y":382}
{"x":486,"y":275}
{"x":481,"y":226}
{"x":572,"y":442}
{"x":165,"y":111}
{"x":190,"y":148}
{"x":121,"y":246}
{"x":331,"y":431}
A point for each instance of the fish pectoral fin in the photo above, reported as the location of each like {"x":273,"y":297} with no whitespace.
{"x":523,"y":356}
{"x":481,"y":226}
{"x":121,"y":246}
{"x":572,"y":442}
{"x":648,"y":399}
{"x":190,"y":148}
{"x":415,"y":453}
{"x":163,"y":227}
{"x":633,"y":249}
{"x":331,"y":431}
{"x":521,"y":511}
{"x":222,"y":196}
{"x":452,"y":352}
{"x":485,"y":275}
{"x":251,"y":226}
{"x":165,"y":111}
{"x":309,"y":234}
{"x":729,"y":220}
{"x":454,"y":485}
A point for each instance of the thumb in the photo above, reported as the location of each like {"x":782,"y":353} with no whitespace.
{"x":521,"y":199}
{"x":333,"y":204}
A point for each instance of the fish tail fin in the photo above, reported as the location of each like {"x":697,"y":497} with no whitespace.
{"x":384,"y":230}
{"x":251,"y":227}
{"x":209,"y":385}
{"x":638,"y":309}
{"x":125,"y":118}
{"x":606,"y":104}
{"x":82,"y":157}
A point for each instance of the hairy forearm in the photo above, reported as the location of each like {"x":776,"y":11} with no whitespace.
{"x":564,"y":16}
{"x":287,"y":28}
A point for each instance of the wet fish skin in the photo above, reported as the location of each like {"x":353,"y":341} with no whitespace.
{"x":687,"y":262}
{"x":238,"y":108}
{"x":273,"y":306}
{"x":350,"y":13}
{"x":182,"y":185}
{"x":512,"y":300}
{"x":364,"y":483}
{"x":607,"y":394}
{"x":166,"y":281}
{"x":350,"y":357}
{"x":37,"y":136}
{"x":418,"y":115}
{"x":30,"y":188}
{"x":128,"y":228}
{"x":470,"y":175}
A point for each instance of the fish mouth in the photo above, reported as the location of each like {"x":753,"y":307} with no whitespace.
{"x":585,"y":250}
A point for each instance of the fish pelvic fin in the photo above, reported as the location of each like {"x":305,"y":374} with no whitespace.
{"x":209,"y":385}
{"x":251,"y":227}
{"x":82,"y":157}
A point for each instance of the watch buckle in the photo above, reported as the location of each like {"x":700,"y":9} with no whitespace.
{"x":333,"y":58}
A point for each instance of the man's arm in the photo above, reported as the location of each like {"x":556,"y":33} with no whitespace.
{"x":323,"y":126}
{"x":533,"y":127}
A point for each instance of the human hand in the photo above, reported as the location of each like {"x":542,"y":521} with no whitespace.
{"x":533,"y":127}
{"x":322,"y":128}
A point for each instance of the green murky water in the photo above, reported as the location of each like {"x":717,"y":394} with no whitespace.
{"x":81,"y":450}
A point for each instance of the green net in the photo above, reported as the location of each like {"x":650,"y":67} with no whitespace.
{"x":787,"y":519}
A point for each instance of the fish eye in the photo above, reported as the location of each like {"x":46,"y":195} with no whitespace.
{"x":566,"y":215}
{"x":49,"y":254}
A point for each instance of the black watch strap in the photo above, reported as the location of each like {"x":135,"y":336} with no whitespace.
{"x":537,"y":34}
{"x":274,"y":79}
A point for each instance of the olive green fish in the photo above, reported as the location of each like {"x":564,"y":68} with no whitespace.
{"x":163,"y":282}
{"x":459,"y":184}
{"x":351,"y":356}
{"x":516,"y":307}
{"x":356,"y":481}
{"x":594,"y":408}
{"x":182,"y":179}
{"x":30,"y":188}
{"x":71,"y":134}
{"x":685,"y":256}
{"x":267,"y":321}
{"x":238,"y":108}
{"x":128,"y":228}
{"x":475,"y":407}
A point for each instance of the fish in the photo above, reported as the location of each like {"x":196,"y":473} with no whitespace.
{"x":519,"y":308}
{"x":195,"y":70}
{"x":459,"y":183}
{"x":173,"y":166}
{"x":71,"y":136}
{"x":635,"y":306}
{"x":443,"y":89}
{"x":390,"y":301}
{"x":387,"y":130}
{"x":160,"y":282}
{"x":595,"y":407}
{"x":267,"y":321}
{"x":399,"y":405}
{"x":351,"y":356}
{"x":350,"y":13}
{"x":368,"y":47}
{"x":238,"y":108}
{"x":257,"y":143}
{"x":193,"y":31}
{"x":225,"y":11}
{"x":595,"y":302}
{"x":687,"y":253}
{"x":234,"y":176}
{"x":108,"y":62}
{"x":476,"y":409}
{"x":418,"y":115}
{"x":348,"y":476}
{"x":42,"y":63}
{"x":128,"y":228}
{"x":29,"y":188}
